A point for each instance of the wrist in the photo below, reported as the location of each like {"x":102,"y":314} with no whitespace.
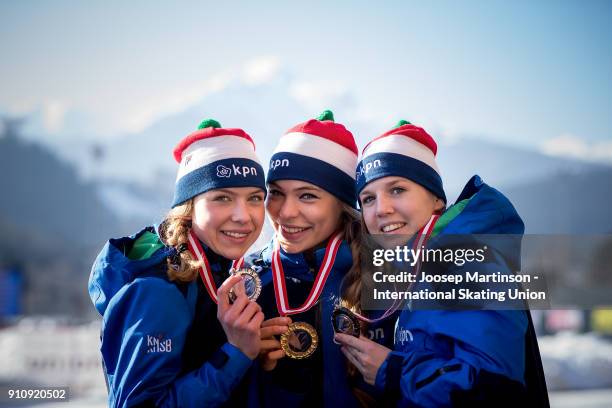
{"x":248,"y":353}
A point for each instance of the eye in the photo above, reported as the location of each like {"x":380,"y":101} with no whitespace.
{"x":308,"y":197}
{"x":222,"y":198}
{"x":274,"y":192}
{"x":397,"y":190}
{"x":367,"y":199}
{"x":257,"y":198}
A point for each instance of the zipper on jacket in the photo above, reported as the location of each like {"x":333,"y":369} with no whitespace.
{"x":438,"y":373}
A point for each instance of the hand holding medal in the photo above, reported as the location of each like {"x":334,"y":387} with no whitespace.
{"x":271,"y":350}
{"x":345,"y":321}
{"x":252,"y":283}
{"x":240,"y":316}
{"x":367,"y":355}
{"x":242,"y":319}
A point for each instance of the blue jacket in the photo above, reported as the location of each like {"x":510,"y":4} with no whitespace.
{"x":322,"y":379}
{"x":469,"y":357}
{"x":148,"y":325}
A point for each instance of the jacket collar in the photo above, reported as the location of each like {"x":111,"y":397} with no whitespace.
{"x":297,"y":265}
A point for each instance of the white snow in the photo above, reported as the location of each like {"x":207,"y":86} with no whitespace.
{"x":576,"y":361}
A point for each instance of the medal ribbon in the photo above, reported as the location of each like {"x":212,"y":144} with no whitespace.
{"x":421,"y":239}
{"x":278,"y":278}
{"x":205,"y":272}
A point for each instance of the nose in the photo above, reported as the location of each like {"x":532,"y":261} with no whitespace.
{"x":288,"y":209}
{"x":384,"y":206}
{"x":240,"y":212}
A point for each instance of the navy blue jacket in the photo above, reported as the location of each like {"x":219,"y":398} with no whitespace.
{"x":162,"y":344}
{"x":322,"y":379}
{"x":468,"y":357}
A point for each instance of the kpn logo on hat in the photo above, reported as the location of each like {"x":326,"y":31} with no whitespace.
{"x":405,"y":151}
{"x":318,"y":151}
{"x":215,"y":157}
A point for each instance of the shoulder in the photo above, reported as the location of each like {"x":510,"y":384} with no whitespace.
{"x":114,"y":268}
{"x":487,"y":211}
{"x":145,"y":245}
{"x":153,"y":297}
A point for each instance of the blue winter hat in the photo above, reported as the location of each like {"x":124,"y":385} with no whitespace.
{"x":321,"y":152}
{"x":215,"y":157}
{"x":405,"y":151}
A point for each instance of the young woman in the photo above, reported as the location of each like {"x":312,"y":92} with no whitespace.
{"x":165,"y":341}
{"x":442,"y":357}
{"x":311,"y":199}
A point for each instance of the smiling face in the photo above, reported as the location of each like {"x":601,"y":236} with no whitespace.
{"x":302,"y":214}
{"x":395,"y":205}
{"x":229,"y":220}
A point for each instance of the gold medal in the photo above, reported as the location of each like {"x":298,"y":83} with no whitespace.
{"x":299,"y":341}
{"x":252,"y":283}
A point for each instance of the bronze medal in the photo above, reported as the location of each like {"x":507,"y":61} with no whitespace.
{"x":344,"y":321}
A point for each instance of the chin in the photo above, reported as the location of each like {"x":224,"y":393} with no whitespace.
{"x":390,"y":241}
{"x":231,"y":253}
{"x":293,"y":248}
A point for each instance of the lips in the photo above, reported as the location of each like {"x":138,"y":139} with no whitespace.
{"x":292,"y":232}
{"x":236,"y":235}
{"x":389,"y":228}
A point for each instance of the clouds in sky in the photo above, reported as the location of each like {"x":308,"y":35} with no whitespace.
{"x":148,"y":111}
{"x":568,"y":145}
{"x":313,"y":95}
{"x":53,"y":116}
{"x":57,"y":117}
{"x":516,"y":74}
{"x":261,"y":70}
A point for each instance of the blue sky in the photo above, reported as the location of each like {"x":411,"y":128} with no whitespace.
{"x":536,"y":74}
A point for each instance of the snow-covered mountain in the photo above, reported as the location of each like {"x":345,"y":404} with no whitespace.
{"x":134,"y":173}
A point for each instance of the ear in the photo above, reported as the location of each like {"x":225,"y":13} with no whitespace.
{"x":439,"y":204}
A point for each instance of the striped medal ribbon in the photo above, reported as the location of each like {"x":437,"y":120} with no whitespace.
{"x":347,"y":321}
{"x":205,"y":272}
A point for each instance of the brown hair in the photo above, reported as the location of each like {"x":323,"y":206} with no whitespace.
{"x":350,"y":294}
{"x":351,"y":283}
{"x":174,"y":232}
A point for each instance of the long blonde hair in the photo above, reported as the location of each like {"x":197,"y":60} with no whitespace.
{"x":174,"y":232}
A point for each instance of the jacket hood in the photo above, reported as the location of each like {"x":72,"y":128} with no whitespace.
{"x":113,"y":269}
{"x":487,"y":212}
